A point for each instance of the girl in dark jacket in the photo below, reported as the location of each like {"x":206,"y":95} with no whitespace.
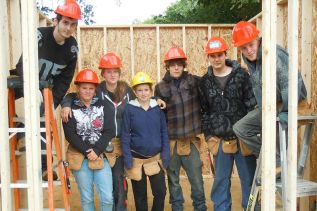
{"x":88,"y":135}
{"x":114,"y":95}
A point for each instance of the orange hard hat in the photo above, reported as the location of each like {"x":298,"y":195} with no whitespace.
{"x":110,"y":60}
{"x":87,"y":76}
{"x":216,"y":45}
{"x":175,"y":53}
{"x":69,"y":9}
{"x":244,"y":32}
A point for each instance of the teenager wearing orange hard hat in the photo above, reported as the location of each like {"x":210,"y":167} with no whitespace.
{"x":179,"y":89}
{"x":57,"y":54}
{"x":88,"y":134}
{"x":115,"y":94}
{"x":226,"y":96}
{"x":245,"y":36}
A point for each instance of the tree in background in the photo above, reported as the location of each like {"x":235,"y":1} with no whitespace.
{"x":87,"y":11}
{"x":207,"y":11}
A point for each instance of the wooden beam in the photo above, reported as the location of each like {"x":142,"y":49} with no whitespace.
{"x":132,"y":50}
{"x":79,"y":44}
{"x":184,"y":38}
{"x":158,"y":54}
{"x":6,"y":199}
{"x":209,"y":32}
{"x":31,"y":104}
{"x":105,"y":37}
{"x":15,"y":29}
{"x":253,"y":19}
{"x":259,"y":23}
{"x":160,"y":25}
{"x":293,"y":10}
{"x":269,"y":104}
{"x":306,"y":71}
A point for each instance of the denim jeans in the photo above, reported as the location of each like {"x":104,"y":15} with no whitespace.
{"x":193,"y":168}
{"x":86,"y":178}
{"x":119,"y":191}
{"x":158,"y":188}
{"x":220,"y":193}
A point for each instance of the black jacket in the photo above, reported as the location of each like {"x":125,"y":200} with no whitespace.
{"x":88,"y":128}
{"x":222,"y":108}
{"x":56,"y":62}
{"x":114,"y":110}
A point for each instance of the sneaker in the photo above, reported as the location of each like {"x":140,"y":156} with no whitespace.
{"x":45,"y":176}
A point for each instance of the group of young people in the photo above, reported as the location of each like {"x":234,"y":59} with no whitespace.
{"x":117,"y":130}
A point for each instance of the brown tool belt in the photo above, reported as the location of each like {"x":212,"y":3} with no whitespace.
{"x":151,"y":167}
{"x":229,"y":146}
{"x":112,"y":156}
{"x":183,"y":145}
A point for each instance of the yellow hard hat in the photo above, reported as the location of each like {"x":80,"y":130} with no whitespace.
{"x":141,"y":78}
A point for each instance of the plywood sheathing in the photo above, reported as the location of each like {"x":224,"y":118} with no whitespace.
{"x":118,"y":41}
{"x":145,"y":51}
{"x":196,"y":39}
{"x":91,"y":48}
{"x":313,"y":148}
{"x":168,"y":37}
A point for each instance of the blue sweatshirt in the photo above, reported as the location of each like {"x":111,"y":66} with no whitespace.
{"x":144,"y":132}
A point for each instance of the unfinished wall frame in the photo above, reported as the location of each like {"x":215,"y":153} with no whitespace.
{"x":144,"y":47}
{"x":306,"y":12}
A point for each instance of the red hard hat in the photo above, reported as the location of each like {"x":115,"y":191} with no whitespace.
{"x":87,"y":76}
{"x":244,"y":32}
{"x":69,"y":9}
{"x":175,"y":53}
{"x":216,"y":45}
{"x":110,"y":60}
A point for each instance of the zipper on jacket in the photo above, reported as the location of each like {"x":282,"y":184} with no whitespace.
{"x":115,"y":105}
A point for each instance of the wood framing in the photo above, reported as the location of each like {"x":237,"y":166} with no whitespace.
{"x":268,"y":105}
{"x":291,"y":188}
{"x":6,"y":198}
{"x":142,"y":47}
{"x":31,"y":105}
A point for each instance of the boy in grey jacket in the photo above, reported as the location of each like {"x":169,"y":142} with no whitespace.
{"x":245,"y":37}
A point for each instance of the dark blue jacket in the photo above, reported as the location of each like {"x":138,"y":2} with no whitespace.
{"x":144,"y":132}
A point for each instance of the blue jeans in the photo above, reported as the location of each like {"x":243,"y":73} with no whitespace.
{"x":86,"y":178}
{"x":220,"y":193}
{"x":193,"y":168}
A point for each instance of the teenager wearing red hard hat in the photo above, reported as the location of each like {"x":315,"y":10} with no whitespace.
{"x":57,"y":55}
{"x":226,"y":96}
{"x":88,"y":134}
{"x":245,"y":36}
